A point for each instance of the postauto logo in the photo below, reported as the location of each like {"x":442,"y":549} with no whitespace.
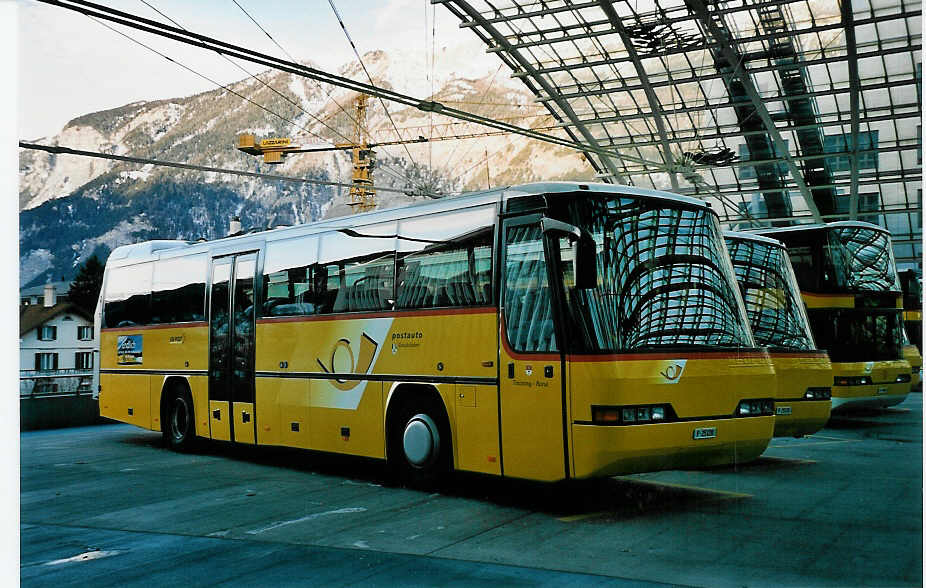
{"x":672,"y":371}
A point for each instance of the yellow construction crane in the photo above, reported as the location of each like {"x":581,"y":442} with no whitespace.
{"x":362,"y":192}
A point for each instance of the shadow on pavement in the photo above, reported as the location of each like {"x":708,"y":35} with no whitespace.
{"x":603,"y":500}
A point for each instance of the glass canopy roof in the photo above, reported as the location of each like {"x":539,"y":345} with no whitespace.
{"x":776,"y":111}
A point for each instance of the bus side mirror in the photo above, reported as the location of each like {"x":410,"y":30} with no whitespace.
{"x":586,"y":269}
{"x":586,"y":272}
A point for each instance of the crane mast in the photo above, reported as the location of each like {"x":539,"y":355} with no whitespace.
{"x":362,"y":194}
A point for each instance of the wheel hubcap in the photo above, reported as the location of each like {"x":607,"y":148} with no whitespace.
{"x":421,"y":441}
{"x":179,"y":419}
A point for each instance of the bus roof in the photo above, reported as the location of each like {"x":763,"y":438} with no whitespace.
{"x":562,"y":187}
{"x":753,"y":237}
{"x":821,"y":226}
{"x":131,"y":253}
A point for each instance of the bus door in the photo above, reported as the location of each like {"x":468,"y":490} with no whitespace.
{"x":231,"y":348}
{"x":532,"y":383}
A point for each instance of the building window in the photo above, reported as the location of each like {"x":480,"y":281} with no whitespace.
{"x":844,"y":144}
{"x":48,"y":333}
{"x":85,"y":333}
{"x":45,"y":386}
{"x":917,"y":217}
{"x":83,"y":360}
{"x":46,"y":361}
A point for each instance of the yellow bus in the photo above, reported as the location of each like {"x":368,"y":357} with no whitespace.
{"x":779,"y":322}
{"x":913,"y":324}
{"x":546,"y":331}
{"x":849,"y":283}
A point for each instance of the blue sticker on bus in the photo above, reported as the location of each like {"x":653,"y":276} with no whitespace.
{"x":129,"y":350}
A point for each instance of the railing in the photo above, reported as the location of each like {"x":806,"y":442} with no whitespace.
{"x":63,"y":382}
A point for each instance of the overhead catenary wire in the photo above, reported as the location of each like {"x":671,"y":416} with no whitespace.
{"x":205,"y":42}
{"x":62,"y":150}
{"x":254,"y":76}
{"x":294,"y":60}
{"x":369,"y":77}
{"x":291,"y":58}
{"x":485,"y":94}
{"x":207,"y":78}
{"x":361,"y":123}
{"x":334,"y":130}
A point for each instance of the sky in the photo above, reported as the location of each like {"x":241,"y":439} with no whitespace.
{"x":70,"y":65}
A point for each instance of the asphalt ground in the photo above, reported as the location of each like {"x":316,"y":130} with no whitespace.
{"x":109,"y":506}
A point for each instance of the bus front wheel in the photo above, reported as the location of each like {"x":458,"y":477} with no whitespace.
{"x":419,"y":445}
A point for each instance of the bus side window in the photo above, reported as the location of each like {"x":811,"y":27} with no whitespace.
{"x":445,"y":259}
{"x":360,"y":268}
{"x":127,"y":296}
{"x":179,"y":290}
{"x":289,"y":287}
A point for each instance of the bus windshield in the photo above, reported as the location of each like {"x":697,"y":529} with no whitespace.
{"x":770,"y":292}
{"x":912,"y":290}
{"x":663,"y":277}
{"x":863,"y":259}
{"x":841,"y":259}
{"x":850,"y":335}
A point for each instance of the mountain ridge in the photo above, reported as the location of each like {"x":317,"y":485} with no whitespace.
{"x":72,"y":207}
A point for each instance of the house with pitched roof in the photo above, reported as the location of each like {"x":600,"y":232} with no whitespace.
{"x":55,"y":346}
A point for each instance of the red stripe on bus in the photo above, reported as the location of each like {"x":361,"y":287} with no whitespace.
{"x":149,"y":327}
{"x":798,"y":354}
{"x":675,"y":355}
{"x":383,"y":314}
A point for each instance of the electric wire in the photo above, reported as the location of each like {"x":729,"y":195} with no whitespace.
{"x":205,"y":42}
{"x":255,"y":77}
{"x":61,"y":150}
{"x":207,"y":78}
{"x":361,"y":124}
{"x":294,"y":60}
{"x":369,"y":77}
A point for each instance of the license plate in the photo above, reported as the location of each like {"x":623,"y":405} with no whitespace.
{"x":783,"y":410}
{"x":704,"y":433}
{"x":882,"y":390}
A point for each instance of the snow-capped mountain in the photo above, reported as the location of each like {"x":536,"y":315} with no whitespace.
{"x":74,"y":206}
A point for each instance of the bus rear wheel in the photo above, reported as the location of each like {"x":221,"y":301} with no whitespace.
{"x":179,"y":426}
{"x":419,"y":445}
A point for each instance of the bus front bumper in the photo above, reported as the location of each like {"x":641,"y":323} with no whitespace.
{"x":601,"y":450}
{"x":798,"y":417}
{"x":869,"y":396}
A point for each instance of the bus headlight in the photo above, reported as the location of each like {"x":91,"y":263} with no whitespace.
{"x":903,"y":378}
{"x":851,"y":380}
{"x":821,"y":393}
{"x":756,"y":407}
{"x":632,"y":415}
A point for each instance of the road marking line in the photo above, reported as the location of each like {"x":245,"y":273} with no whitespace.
{"x":725,"y":493}
{"x":788,"y":460}
{"x":306,"y":518}
{"x":814,"y":443}
{"x":89,"y":555}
